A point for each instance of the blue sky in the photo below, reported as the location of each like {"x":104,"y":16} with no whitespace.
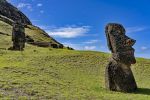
{"x":80,"y":23}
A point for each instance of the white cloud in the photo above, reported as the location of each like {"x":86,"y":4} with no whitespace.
{"x":41,"y":11}
{"x":22,"y":5}
{"x":73,"y":45}
{"x":7,"y":0}
{"x":79,"y":46}
{"x":45,"y":27}
{"x":90,"y":47}
{"x":91,"y":41}
{"x":135,"y":29}
{"x":39,"y":5}
{"x":144,"y":48}
{"x":35,"y":20}
{"x":25,"y":5}
{"x":69,"y":32}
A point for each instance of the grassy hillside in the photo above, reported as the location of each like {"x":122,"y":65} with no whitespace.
{"x":58,"y":74}
{"x":35,"y":33}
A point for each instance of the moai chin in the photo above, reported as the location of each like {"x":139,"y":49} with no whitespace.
{"x":18,"y":36}
{"x":118,"y":74}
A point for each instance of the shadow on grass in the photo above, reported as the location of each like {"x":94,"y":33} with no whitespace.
{"x":144,"y":91}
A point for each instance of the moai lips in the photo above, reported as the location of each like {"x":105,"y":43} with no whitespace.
{"x":118,"y":74}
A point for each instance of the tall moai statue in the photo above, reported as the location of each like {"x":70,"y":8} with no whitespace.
{"x":118,"y":74}
{"x":18,"y":36}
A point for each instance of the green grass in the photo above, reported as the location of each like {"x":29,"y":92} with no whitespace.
{"x":45,"y":74}
{"x":60,"y":74}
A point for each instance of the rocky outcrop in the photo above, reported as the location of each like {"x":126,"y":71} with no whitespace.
{"x":11,"y":12}
{"x":6,"y":20}
{"x":44,"y":40}
{"x":46,"y":44}
{"x":4,"y":34}
{"x":118,"y":74}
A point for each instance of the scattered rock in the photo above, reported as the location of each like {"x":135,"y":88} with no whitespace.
{"x":69,"y":48}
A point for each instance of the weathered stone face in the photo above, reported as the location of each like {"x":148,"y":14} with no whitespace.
{"x":119,"y":44}
{"x":118,"y":74}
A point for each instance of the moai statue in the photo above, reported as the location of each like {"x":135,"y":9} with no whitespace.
{"x":118,"y":74}
{"x":18,"y":36}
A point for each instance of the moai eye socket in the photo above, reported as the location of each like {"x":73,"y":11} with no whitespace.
{"x":16,"y":28}
{"x":119,"y":32}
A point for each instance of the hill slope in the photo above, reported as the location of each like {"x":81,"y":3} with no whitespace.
{"x":42,"y":73}
{"x":34,"y":35}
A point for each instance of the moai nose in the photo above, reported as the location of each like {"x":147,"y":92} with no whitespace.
{"x":130,"y":42}
{"x":134,"y":41}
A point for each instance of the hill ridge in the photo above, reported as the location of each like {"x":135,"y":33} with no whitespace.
{"x":11,"y":12}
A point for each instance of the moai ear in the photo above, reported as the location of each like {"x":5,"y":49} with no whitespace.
{"x":107,"y":32}
{"x":110,"y":29}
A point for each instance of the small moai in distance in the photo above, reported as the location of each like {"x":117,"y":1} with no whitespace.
{"x":118,"y":74}
{"x":18,"y":36}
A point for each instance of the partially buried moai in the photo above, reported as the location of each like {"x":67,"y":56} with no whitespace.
{"x":18,"y":36}
{"x":118,"y":74}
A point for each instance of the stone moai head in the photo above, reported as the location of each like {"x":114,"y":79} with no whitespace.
{"x":18,"y":27}
{"x":119,"y":44}
{"x":18,"y":30}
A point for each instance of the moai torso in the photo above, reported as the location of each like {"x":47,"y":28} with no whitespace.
{"x":118,"y":74}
